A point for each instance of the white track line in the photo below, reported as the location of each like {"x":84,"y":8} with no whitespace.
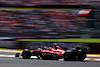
{"x":92,"y":59}
{"x":7,"y":55}
{"x":14,"y":56}
{"x":89,"y":59}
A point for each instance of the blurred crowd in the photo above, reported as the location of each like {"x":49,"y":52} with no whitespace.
{"x":30,"y":21}
{"x":47,"y":2}
{"x":23,"y":21}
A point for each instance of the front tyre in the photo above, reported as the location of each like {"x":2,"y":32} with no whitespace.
{"x":26,"y":55}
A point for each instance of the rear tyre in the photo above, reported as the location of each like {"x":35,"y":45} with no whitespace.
{"x":82,"y":56}
{"x":67,"y":56}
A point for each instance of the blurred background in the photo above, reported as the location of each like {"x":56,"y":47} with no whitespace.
{"x":60,"y":19}
{"x":49,"y":23}
{"x":47,"y":2}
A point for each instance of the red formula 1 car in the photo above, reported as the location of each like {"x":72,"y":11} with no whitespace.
{"x":55,"y":53}
{"x":44,"y":53}
{"x":50,"y":53}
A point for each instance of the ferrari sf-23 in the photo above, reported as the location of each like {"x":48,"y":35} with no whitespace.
{"x":55,"y":53}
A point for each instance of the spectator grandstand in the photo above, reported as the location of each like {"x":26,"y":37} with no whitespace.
{"x":28,"y":20}
{"x":43,"y":21}
{"x":46,"y":2}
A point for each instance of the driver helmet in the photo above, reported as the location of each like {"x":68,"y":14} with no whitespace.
{"x":26,"y":49}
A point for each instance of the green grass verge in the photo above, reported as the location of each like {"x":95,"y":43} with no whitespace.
{"x":92,"y":40}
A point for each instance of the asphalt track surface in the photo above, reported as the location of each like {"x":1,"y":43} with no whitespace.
{"x":18,"y":62}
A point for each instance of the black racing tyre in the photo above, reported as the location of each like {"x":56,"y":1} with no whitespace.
{"x":74,"y":56}
{"x":67,"y":56}
{"x":26,"y":55}
{"x":17,"y":54}
{"x":65,"y":59}
{"x":82,"y":57}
